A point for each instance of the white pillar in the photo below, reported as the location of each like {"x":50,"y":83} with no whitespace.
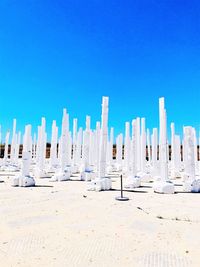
{"x":74,"y":141}
{"x":64,"y":152}
{"x":133,"y":180}
{"x":13,"y":142}
{"x":143,"y":146}
{"x":127,"y":146}
{"x":24,"y":179}
{"x":103,"y":138}
{"x":54,"y":143}
{"x":119,"y":147}
{"x":6,"y":147}
{"x":148,"y":146}
{"x":138,"y":148}
{"x":102,"y":182}
{"x":191,"y":184}
{"x":154,"y":151}
{"x":163,"y":185}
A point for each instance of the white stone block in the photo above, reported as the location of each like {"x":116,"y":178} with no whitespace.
{"x":89,"y":176}
{"x":133,"y":182}
{"x":74,"y":169}
{"x":145,"y":177}
{"x":163,"y":187}
{"x":82,"y":176}
{"x":26,"y":181}
{"x":15,"y":181}
{"x":196,"y":186}
{"x":40,"y":173}
{"x":60,"y":177}
{"x":100,"y":185}
{"x":23,"y":181}
{"x":192,"y":186}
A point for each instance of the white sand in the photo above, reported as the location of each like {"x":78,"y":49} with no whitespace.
{"x":53,"y":224}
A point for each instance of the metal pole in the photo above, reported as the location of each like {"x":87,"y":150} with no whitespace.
{"x":122,"y":198}
{"x":121,"y":187}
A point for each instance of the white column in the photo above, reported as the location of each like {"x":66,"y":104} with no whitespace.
{"x":13,"y":142}
{"x":163,"y":185}
{"x":148,"y":146}
{"x":54,"y":142}
{"x":127,"y":147}
{"x":24,"y":179}
{"x":103,"y":138}
{"x":154,"y":151}
{"x":143,"y":146}
{"x":74,"y":141}
{"x":163,"y":157}
{"x":138,"y":149}
{"x":119,"y":147}
{"x":6,"y":147}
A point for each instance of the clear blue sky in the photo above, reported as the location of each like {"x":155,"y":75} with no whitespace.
{"x":68,"y":53}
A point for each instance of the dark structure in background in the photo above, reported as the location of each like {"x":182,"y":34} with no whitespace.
{"x":48,"y":147}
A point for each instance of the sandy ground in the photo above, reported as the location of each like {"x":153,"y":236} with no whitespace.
{"x":62,"y":224}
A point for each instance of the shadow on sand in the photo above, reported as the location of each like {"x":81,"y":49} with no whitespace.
{"x":126,"y":190}
{"x":182,"y":192}
{"x":50,"y":186}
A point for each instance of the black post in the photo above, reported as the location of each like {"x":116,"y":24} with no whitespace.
{"x":121,"y":187}
{"x":122,"y":198}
